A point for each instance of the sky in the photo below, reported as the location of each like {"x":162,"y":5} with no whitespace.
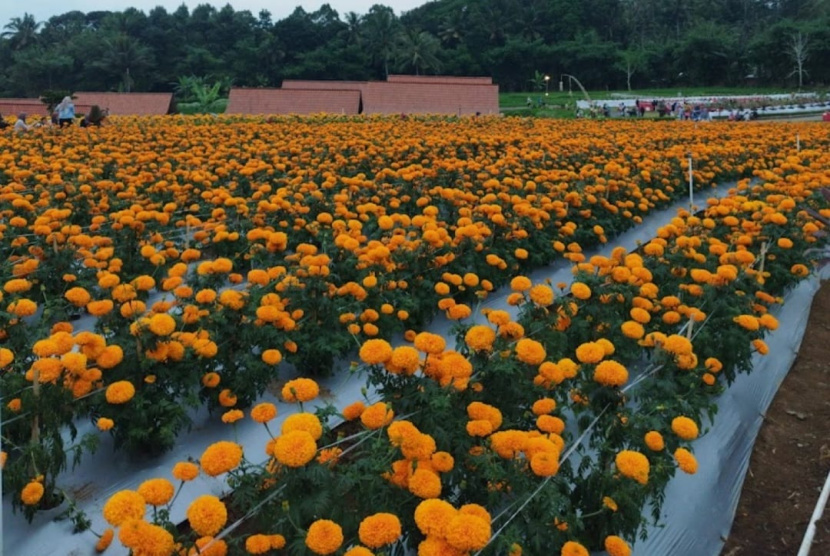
{"x":44,"y":9}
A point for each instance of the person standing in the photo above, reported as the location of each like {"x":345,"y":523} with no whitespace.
{"x":66,"y":112}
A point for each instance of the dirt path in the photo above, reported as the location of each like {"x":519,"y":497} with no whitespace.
{"x":791,"y":457}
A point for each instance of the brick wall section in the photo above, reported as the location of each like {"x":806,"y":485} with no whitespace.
{"x":293,"y":101}
{"x":125,"y":104}
{"x":430,"y":98}
{"x":14,"y":106}
{"x":440,"y":79}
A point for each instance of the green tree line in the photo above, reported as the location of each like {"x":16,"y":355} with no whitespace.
{"x":605,"y":43}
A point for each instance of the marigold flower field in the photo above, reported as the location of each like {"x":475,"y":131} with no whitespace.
{"x":212,"y":255}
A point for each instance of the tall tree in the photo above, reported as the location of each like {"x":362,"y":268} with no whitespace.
{"x":22,"y":31}
{"x":381,"y":29}
{"x":418,"y":51}
{"x":125,"y":59}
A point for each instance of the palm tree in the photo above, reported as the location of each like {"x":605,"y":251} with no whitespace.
{"x":354,"y":22}
{"x":419,"y":51}
{"x":381,"y":32}
{"x":451,"y":31}
{"x":22,"y":32}
{"x":124,"y":57}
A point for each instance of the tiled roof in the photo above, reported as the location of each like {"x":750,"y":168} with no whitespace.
{"x":293,"y":101}
{"x":125,"y":104}
{"x":30,"y":106}
{"x":440,"y":79}
{"x":430,"y":98}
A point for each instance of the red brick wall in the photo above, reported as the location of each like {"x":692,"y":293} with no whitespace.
{"x":14,"y":106}
{"x":293,"y":101}
{"x":422,"y":98}
{"x":125,"y":104}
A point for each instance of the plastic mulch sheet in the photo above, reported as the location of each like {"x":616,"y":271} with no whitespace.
{"x":697,"y":512}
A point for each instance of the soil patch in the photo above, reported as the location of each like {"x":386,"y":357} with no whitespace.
{"x":791,"y":457}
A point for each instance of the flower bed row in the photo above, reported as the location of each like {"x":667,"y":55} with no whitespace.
{"x":331,"y":242}
{"x":549,"y":433}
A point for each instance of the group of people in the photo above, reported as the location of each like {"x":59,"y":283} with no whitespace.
{"x":63,"y":115}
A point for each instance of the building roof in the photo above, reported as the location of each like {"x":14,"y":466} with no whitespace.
{"x":326,"y":85}
{"x":293,"y":101}
{"x":29,"y":106}
{"x":430,"y":98}
{"x":440,"y":79}
{"x":125,"y":104}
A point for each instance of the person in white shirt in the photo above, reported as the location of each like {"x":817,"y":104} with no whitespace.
{"x":20,"y":125}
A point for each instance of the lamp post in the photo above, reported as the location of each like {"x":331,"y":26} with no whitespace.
{"x":547,"y":81}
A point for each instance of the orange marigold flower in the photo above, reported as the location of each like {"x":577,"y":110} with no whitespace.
{"x":379,"y":529}
{"x":479,"y":427}
{"x":264,"y":412}
{"x":271,"y":357}
{"x":324,"y":537}
{"x":530,"y":351}
{"x":300,"y":390}
{"x":156,"y":492}
{"x":405,"y":359}
{"x":208,"y":546}
{"x":686,"y":461}
{"x":467,"y":532}
{"x":78,"y":297}
{"x":685,"y":428}
{"x":185,"y":471}
{"x":572,"y":548}
{"x":520,"y":284}
{"x":425,"y":484}
{"x":207,"y":515}
{"x":295,"y":448}
{"x":105,"y":541}
{"x":713,"y":365}
{"x":221,"y":457}
{"x":580,"y":290}
{"x":633,"y":465}
{"x":123,"y":505}
{"x":104,"y":423}
{"x":616,"y":546}
{"x":544,"y":464}
{"x":590,"y":352}
{"x":375,"y":352}
{"x":162,"y":324}
{"x":543,"y":406}
{"x":258,"y":544}
{"x":99,"y":308}
{"x":120,"y":392}
{"x":480,"y":337}
{"x":307,"y":422}
{"x":432,"y":516}
{"x":654,"y":441}
{"x":541,"y":295}
{"x":32,"y":493}
{"x":677,"y":345}
{"x":610,"y":373}
{"x":232,"y":416}
{"x":430,"y":343}
{"x":211,"y":380}
{"x":748,"y":322}
{"x":353,"y":410}
{"x":377,"y":415}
